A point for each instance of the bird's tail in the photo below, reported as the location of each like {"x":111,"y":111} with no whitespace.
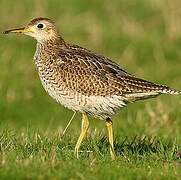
{"x":142,"y":89}
{"x":167,"y":90}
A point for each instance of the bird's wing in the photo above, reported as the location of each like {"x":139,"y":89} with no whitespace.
{"x":97,"y":58}
{"x":92,"y":74}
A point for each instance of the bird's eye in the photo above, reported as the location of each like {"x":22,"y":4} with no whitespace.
{"x":40,"y":26}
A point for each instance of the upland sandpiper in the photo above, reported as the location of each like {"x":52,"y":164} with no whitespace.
{"x":83,"y":81}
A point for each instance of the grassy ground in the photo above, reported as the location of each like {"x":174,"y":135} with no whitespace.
{"x":142,"y":35}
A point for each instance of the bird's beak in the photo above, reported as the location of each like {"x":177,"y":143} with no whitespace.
{"x":17,"y":30}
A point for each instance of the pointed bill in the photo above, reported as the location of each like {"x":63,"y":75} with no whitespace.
{"x":17,"y":30}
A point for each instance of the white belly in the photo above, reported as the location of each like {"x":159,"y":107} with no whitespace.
{"x":98,"y":106}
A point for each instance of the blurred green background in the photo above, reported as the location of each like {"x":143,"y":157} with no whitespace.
{"x":143,"y":36}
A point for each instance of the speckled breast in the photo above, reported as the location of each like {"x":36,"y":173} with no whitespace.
{"x":55,"y":86}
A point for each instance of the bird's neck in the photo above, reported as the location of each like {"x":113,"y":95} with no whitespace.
{"x":48,"y":48}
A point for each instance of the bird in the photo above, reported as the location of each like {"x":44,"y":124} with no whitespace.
{"x":84,"y":81}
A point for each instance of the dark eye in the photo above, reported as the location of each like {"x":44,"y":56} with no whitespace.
{"x":40,"y":26}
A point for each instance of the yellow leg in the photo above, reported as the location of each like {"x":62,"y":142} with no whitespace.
{"x":84,"y":128}
{"x":110,"y":137}
{"x":64,"y":131}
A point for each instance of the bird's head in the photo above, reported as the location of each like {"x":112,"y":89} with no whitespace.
{"x":42,"y":29}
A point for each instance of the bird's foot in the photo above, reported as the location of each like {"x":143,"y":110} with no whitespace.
{"x":76,"y":152}
{"x":112,"y":153}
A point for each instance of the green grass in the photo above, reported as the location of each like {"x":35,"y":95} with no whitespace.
{"x":142,"y":35}
{"x":30,"y":154}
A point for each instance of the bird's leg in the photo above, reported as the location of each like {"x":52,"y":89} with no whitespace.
{"x":109,"y":125}
{"x":64,"y":131}
{"x":84,"y":128}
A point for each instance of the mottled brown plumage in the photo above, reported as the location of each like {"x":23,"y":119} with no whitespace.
{"x":82,"y":80}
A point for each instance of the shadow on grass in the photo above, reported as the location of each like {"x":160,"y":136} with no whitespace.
{"x":142,"y":146}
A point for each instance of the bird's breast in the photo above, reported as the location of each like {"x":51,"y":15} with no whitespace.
{"x":55,"y":85}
